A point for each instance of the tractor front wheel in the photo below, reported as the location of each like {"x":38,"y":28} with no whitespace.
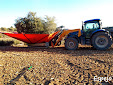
{"x":71,"y":43}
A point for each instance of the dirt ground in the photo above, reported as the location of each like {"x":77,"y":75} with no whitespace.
{"x":54,"y":66}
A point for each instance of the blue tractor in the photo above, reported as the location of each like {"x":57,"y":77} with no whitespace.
{"x":91,"y":34}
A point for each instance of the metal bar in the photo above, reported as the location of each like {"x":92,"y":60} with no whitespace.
{"x":41,"y":39}
{"x":27,"y":38}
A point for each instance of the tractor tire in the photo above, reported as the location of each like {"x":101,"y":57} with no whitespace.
{"x":101,"y":41}
{"x":71,"y":44}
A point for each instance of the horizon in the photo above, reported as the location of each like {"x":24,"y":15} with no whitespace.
{"x":69,"y":13}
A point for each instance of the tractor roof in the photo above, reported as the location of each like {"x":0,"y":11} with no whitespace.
{"x":92,"y":20}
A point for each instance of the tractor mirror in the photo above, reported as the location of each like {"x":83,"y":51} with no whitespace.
{"x":101,"y":23}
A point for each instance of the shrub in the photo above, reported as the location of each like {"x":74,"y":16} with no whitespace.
{"x":6,"y":43}
{"x":33,"y":24}
{"x":16,"y":42}
{"x":3,"y":29}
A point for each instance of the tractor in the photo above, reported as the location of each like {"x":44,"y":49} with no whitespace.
{"x":91,"y":34}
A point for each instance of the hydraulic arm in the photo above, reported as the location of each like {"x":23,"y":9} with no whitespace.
{"x":64,"y":33}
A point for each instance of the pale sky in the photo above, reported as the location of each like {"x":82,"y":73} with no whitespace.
{"x":69,"y":13}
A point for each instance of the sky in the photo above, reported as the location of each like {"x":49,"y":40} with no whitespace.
{"x":69,"y":13}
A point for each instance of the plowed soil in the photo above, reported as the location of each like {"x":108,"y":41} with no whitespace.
{"x":54,"y":66}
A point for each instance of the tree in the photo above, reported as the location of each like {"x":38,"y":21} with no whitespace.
{"x":3,"y":29}
{"x":59,"y":28}
{"x":33,"y":24}
{"x":49,"y":24}
{"x":11,"y":29}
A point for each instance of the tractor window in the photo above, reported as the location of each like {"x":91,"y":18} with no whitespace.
{"x":91,"y":26}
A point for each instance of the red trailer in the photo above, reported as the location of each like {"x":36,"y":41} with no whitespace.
{"x":33,"y":39}
{"x":53,"y":39}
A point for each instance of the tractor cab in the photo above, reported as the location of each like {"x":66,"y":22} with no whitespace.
{"x":89,"y":26}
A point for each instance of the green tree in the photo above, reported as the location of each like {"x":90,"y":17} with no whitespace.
{"x":33,"y":24}
{"x":59,"y":28}
{"x":49,"y":24}
{"x":3,"y":29}
{"x":11,"y":29}
{"x":15,"y":29}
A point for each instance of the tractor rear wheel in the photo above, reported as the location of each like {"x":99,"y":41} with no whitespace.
{"x":101,"y":41}
{"x":71,"y":44}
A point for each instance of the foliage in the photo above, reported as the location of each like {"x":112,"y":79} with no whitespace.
{"x":6,"y":43}
{"x":3,"y":29}
{"x":16,"y":42}
{"x":11,"y":29}
{"x":59,"y":28}
{"x":49,"y":24}
{"x":33,"y":24}
{"x":0,"y":35}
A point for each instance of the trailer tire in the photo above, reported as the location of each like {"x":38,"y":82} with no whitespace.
{"x":101,"y":41}
{"x":59,"y":43}
{"x":71,"y":43}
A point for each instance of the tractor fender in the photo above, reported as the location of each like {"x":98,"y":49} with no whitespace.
{"x":73,"y":35}
{"x":99,"y":30}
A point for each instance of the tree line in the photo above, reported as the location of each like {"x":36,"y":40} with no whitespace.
{"x":10,"y":29}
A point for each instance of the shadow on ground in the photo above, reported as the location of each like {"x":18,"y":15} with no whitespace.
{"x":81,"y":51}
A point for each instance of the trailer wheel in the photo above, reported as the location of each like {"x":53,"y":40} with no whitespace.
{"x":71,"y":44}
{"x":59,"y":43}
{"x":101,"y":41}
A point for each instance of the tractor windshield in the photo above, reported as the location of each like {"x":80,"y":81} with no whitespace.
{"x":91,"y":26}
